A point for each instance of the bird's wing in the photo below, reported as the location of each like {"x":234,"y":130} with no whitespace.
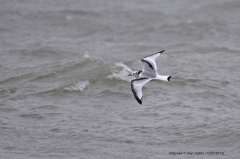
{"x":136,"y":86}
{"x":149,"y":61}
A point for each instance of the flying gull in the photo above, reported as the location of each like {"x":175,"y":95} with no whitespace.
{"x":145,"y":75}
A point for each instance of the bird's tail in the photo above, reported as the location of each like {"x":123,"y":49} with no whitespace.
{"x":163,"y":78}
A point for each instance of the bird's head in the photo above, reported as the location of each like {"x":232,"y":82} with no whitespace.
{"x":135,"y":74}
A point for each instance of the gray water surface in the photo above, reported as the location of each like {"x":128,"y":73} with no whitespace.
{"x":65,"y":93}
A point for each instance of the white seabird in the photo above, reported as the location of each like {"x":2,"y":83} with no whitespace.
{"x":145,"y":75}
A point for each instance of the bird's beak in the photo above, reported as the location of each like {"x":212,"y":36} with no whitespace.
{"x":130,"y":74}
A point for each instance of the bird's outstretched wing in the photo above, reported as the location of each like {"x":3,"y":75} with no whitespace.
{"x":149,"y":61}
{"x":136,"y":86}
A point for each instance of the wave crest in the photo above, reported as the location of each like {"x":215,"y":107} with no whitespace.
{"x":79,"y":86}
{"x":121,"y":74}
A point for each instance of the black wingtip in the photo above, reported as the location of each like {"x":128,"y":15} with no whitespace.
{"x":169,"y":78}
{"x":161,"y":51}
{"x":135,"y":94}
{"x":138,"y":100}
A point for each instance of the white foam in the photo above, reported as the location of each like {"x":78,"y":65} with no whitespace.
{"x":123,"y":74}
{"x":91,"y":58}
{"x":69,"y":17}
{"x":79,"y":86}
{"x":86,"y":55}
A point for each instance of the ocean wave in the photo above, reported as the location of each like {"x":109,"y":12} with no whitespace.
{"x":121,"y":74}
{"x":79,"y":86}
{"x":80,"y":12}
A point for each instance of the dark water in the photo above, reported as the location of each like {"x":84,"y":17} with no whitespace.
{"x":65,"y":93}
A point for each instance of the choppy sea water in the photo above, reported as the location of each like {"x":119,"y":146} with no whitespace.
{"x":65,"y":93}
